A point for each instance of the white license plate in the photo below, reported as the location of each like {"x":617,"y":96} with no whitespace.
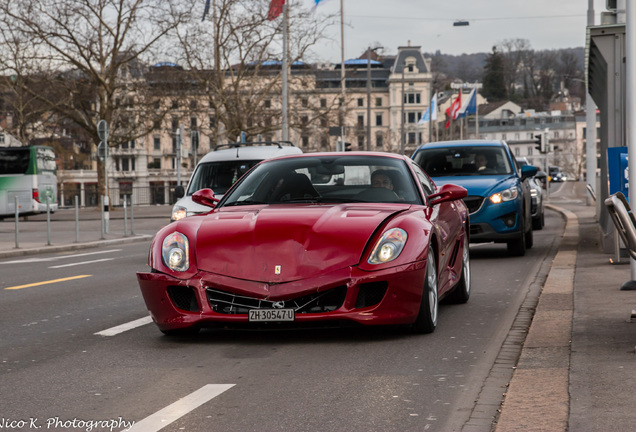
{"x":271,"y":315}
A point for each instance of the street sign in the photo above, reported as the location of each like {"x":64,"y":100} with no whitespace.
{"x":102,"y":149}
{"x":102,"y":130}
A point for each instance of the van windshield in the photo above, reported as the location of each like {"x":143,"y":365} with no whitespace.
{"x":218,"y":176}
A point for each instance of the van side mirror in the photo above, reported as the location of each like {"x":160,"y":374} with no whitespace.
{"x":179,"y":192}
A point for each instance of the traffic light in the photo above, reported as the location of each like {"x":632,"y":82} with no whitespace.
{"x":542,"y":145}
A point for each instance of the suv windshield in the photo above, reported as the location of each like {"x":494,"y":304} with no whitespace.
{"x":461,"y":161}
{"x":218,"y":176}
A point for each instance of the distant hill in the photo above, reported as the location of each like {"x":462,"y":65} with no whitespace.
{"x":470,"y":67}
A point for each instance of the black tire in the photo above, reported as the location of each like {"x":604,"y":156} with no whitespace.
{"x":538,"y":222}
{"x":461,"y":292}
{"x":426,"y":321}
{"x":529,"y":238}
{"x":517,"y":247}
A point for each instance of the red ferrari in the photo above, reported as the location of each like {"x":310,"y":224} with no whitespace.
{"x":314,"y":239}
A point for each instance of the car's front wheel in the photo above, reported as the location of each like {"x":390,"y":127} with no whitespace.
{"x":517,"y":247}
{"x":461,"y":292}
{"x":426,"y":321}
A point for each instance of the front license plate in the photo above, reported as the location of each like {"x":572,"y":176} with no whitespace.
{"x":271,"y":315}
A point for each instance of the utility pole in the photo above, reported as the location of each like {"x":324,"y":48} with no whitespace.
{"x":590,"y":126}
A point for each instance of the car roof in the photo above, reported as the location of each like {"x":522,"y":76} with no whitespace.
{"x":347,"y":154}
{"x":251,"y":151}
{"x":463,"y":143}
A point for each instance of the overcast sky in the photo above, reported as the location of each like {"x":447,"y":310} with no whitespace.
{"x":546,"y":24}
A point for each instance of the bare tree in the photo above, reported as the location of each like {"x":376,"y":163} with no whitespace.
{"x":89,"y":56}
{"x":236,"y":57}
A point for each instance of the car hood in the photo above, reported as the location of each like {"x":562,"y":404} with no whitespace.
{"x":480,"y":185}
{"x":276,"y":244}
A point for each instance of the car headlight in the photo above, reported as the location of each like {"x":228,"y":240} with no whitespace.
{"x":388,"y":247}
{"x":534,"y":193}
{"x":178,"y":213}
{"x":175,"y":252}
{"x":506,"y":195}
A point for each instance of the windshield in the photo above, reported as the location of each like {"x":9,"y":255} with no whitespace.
{"x":326,"y":179}
{"x":218,"y":176}
{"x":461,"y":161}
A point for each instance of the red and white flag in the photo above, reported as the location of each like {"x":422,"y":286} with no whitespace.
{"x":275,"y":9}
{"x":453,"y":110}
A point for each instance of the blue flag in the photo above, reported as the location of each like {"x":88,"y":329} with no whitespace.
{"x":470,"y":107}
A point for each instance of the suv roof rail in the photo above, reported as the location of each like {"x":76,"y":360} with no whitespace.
{"x":280,"y":144}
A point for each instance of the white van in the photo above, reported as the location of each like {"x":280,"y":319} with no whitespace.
{"x":219,"y":169}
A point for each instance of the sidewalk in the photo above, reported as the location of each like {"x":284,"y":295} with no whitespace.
{"x":124,"y":227}
{"x":577,"y":369}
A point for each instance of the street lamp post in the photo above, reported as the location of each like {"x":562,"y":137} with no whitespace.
{"x":369,"y":96}
{"x":402,"y":143}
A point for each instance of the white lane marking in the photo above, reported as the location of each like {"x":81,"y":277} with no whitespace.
{"x":183,"y":406}
{"x":81,"y":263}
{"x":125,"y":327}
{"x":55,"y":258}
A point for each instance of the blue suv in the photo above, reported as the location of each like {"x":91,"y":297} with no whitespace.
{"x":499,"y":200}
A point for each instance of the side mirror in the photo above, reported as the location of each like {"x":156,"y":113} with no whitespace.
{"x":528,"y":171}
{"x":448,"y":192}
{"x":179,"y":192}
{"x":205,"y":197}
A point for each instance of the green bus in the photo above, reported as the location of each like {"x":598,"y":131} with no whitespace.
{"x":29,"y":173}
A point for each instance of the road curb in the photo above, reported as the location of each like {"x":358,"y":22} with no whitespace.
{"x":538,"y":395}
{"x":73,"y":246}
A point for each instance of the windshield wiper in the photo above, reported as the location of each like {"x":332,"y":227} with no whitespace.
{"x":245,"y":202}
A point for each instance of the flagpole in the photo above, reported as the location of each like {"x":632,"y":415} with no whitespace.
{"x":285,"y":65}
{"x":343,"y":108}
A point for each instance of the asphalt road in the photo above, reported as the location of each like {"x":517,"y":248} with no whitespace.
{"x":59,"y":371}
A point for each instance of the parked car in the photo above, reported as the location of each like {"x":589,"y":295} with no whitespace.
{"x":499,"y":197}
{"x":537,"y":194}
{"x":314,"y":239}
{"x":220,"y":168}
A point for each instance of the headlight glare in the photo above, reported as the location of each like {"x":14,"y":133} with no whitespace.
{"x":179,"y":213}
{"x":175,"y":252}
{"x":388,"y":247}
{"x":506,"y":195}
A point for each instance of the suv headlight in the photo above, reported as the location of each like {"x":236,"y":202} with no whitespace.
{"x":178,"y":213}
{"x":506,"y":195}
{"x":388,"y":247}
{"x":175,"y":252}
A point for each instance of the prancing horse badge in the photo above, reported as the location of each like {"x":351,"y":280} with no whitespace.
{"x":277,"y":269}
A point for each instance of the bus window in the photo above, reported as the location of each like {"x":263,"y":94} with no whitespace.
{"x":28,"y":173}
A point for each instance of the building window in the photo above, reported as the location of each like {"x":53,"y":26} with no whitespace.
{"x":412,"y":98}
{"x":304,"y":102}
{"x":268,"y":103}
{"x":379,"y":140}
{"x":323,"y":103}
{"x":304,"y":120}
{"x":323,"y":122}
{"x":412,"y":136}
{"x":212,"y":121}
{"x":193,"y":122}
{"x":556,"y":134}
{"x":378,"y":102}
{"x":411,"y":117}
{"x":360,"y":142}
{"x":360,"y":120}
{"x":193,"y":104}
{"x":360,"y":102}
{"x":305,"y":140}
{"x":156,"y":142}
{"x":517,"y":151}
{"x":378,"y":119}
{"x":124,"y":164}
